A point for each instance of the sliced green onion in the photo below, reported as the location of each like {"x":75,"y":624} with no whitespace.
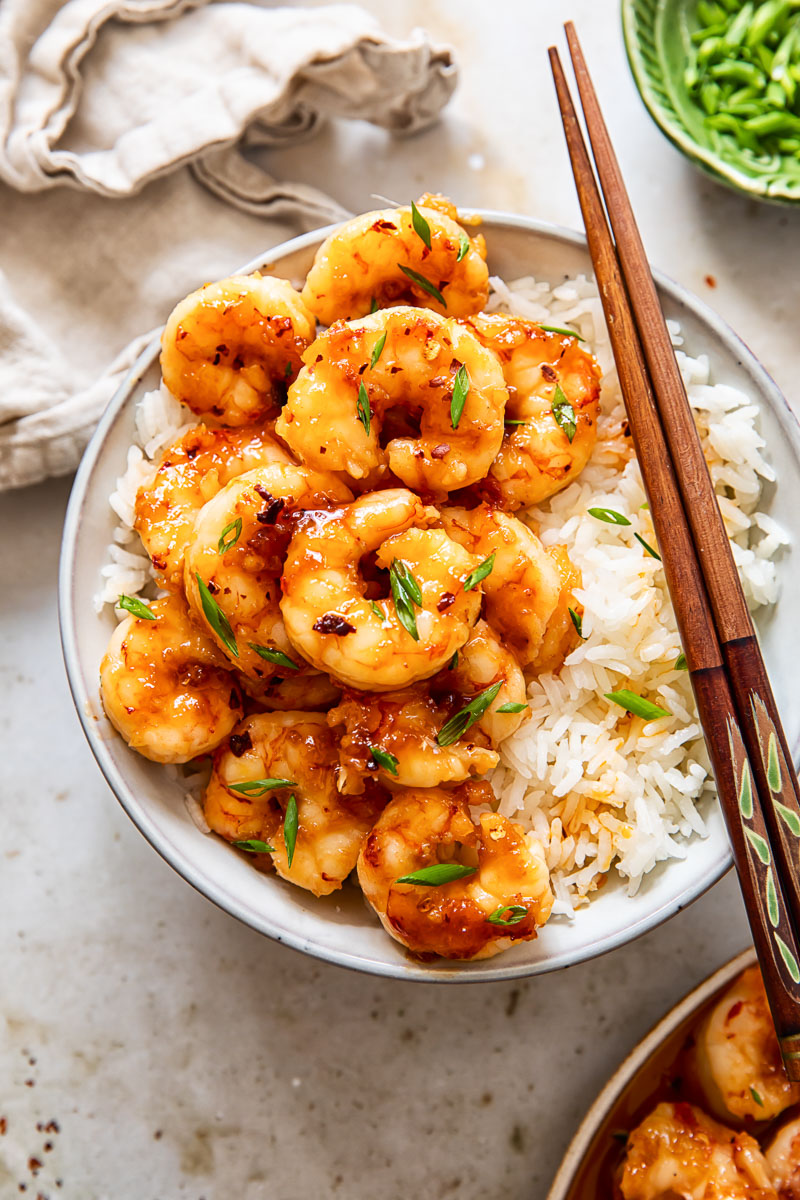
{"x":437,"y":874}
{"x":577,"y":621}
{"x":451,"y":666}
{"x":680,"y":663}
{"x":463,"y":247}
{"x":216,"y":617}
{"x":466,"y":717}
{"x":461,"y":386}
{"x":564,"y":332}
{"x":405,"y":594}
{"x":133,"y":604}
{"x":421,"y":226}
{"x":564,"y":413}
{"x":373,"y":306}
{"x":377,"y":350}
{"x":384,"y":759}
{"x":363,"y":409}
{"x":274,"y":656}
{"x":609,"y":515}
{"x":511,"y":707}
{"x":516,"y":913}
{"x":229,"y":536}
{"x":480,"y":573}
{"x":424,"y":283}
{"x":756,"y":1096}
{"x":254,"y":846}
{"x":259,"y":787}
{"x":648,"y":548}
{"x":290,"y":823}
{"x":637,"y":705}
{"x":376,"y":610}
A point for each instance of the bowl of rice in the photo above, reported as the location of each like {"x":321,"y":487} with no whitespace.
{"x":624,"y":807}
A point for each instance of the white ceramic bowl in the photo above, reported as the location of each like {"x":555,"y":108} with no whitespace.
{"x":339,"y":928}
{"x":631,"y":1084}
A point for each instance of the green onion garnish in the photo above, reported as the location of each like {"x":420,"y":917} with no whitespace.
{"x":254,"y":846}
{"x":259,"y":787}
{"x":609,"y":515}
{"x":480,"y":573}
{"x":463,"y":247}
{"x":230,"y":536}
{"x":680,"y":663}
{"x":648,"y":548}
{"x":421,"y":226}
{"x":637,"y":705}
{"x":564,"y":413}
{"x":466,"y":717}
{"x":377,"y":350}
{"x":290,"y":822}
{"x":437,"y":874}
{"x":216,"y":617}
{"x":274,"y":656}
{"x":511,"y":707}
{"x":565,"y":332}
{"x":133,"y":604}
{"x":424,"y":283}
{"x":577,"y":621}
{"x":384,"y":759}
{"x":461,"y":386}
{"x":363,"y":409}
{"x":405,"y":594}
{"x":516,"y":913}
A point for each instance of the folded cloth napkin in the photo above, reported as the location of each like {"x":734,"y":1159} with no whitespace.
{"x":108,"y":95}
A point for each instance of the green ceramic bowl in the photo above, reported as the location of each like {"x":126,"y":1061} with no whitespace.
{"x":657,"y":38}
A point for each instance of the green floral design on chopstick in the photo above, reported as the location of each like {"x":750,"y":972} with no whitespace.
{"x":759,"y":853}
{"x":774,"y":768}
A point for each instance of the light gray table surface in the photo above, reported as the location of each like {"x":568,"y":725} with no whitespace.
{"x":179,"y":1053}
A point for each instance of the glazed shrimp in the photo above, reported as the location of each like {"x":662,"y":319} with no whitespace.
{"x":560,"y":635}
{"x":737,"y":1058}
{"x":312,"y":690}
{"x":227,"y":347}
{"x":299,"y":748}
{"x":421,"y":828}
{"x":191,"y":471}
{"x":523,"y":587}
{"x":363,"y":642}
{"x":366,"y":382}
{"x":404,"y":725}
{"x":237,"y":549}
{"x":547,"y":375}
{"x":165,"y":687}
{"x":782,"y":1153}
{"x":360,"y":266}
{"x":679,"y":1152}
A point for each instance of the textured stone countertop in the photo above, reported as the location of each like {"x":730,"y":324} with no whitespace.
{"x":154,"y":1048}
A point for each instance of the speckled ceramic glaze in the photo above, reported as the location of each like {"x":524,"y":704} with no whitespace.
{"x":633,"y":1079}
{"x":657,"y":38}
{"x":339,"y":928}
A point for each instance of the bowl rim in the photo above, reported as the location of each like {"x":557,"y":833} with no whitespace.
{"x":402,"y":969}
{"x":709,"y":161}
{"x":634,"y":1061}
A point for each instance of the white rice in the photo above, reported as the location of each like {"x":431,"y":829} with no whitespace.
{"x":600,"y":788}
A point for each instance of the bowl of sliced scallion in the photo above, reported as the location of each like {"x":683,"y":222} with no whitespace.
{"x":721,"y":78}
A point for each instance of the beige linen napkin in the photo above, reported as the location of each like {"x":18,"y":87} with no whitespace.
{"x":108,"y":95}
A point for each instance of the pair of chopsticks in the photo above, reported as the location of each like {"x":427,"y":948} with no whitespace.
{"x":757,"y":786}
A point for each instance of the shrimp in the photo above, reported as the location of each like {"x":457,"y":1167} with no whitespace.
{"x":191,"y":471}
{"x":679,"y":1153}
{"x":527,"y":596}
{"x":554,"y":390}
{"x":227,"y":347}
{"x":309,"y":690}
{"x":298,"y":748}
{"x":384,"y":643}
{"x":236,"y":554}
{"x":165,"y":686}
{"x":737,"y":1059}
{"x":403,"y":726}
{"x":462,"y":919}
{"x":372,"y":383}
{"x":372,"y":261}
{"x":561,"y":634}
{"x":782,"y":1153}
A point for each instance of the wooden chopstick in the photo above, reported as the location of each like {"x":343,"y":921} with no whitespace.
{"x":758,"y":713}
{"x":740,"y":796}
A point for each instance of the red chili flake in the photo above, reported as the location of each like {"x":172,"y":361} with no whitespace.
{"x":445,"y":601}
{"x":52,"y":1127}
{"x":548,"y":372}
{"x":383,"y":225}
{"x":223,"y":349}
{"x":626,"y":429}
{"x":239,"y":742}
{"x":710,"y":281}
{"x":212,"y":587}
{"x":238,"y":363}
{"x":271,"y":513}
{"x":735,"y":1010}
{"x":440,"y":450}
{"x":333,"y":623}
{"x":34,"y":1165}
